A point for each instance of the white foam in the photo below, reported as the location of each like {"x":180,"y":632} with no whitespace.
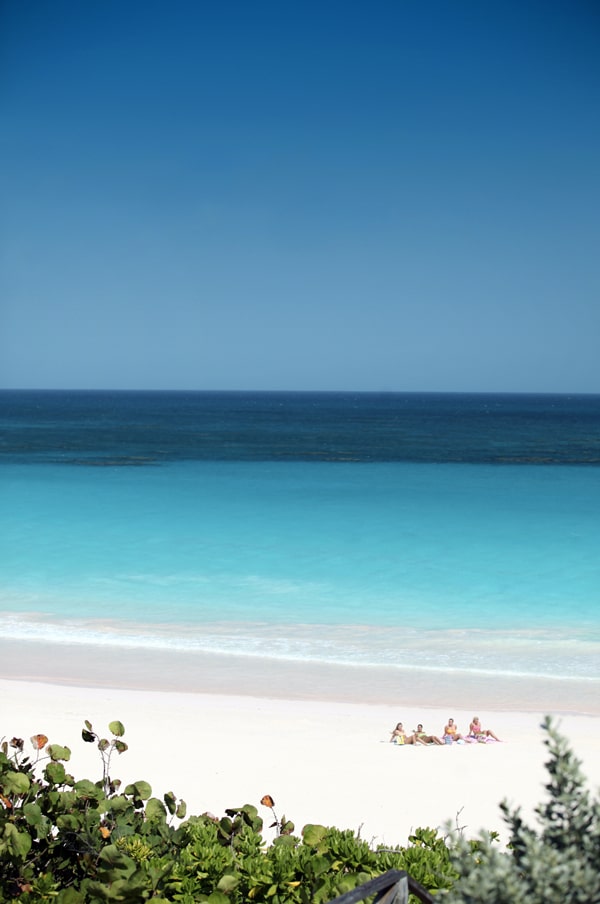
{"x":401,"y":650}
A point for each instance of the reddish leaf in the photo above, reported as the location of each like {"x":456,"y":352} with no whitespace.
{"x":39,"y":741}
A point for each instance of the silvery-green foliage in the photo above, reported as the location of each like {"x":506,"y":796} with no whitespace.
{"x":558,"y":860}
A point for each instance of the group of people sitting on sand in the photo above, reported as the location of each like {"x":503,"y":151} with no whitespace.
{"x":451,"y":734}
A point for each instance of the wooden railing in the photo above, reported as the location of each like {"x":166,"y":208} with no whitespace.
{"x":392,"y":887}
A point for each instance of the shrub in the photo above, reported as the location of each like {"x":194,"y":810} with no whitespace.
{"x":70,"y":842}
{"x":560,"y":861}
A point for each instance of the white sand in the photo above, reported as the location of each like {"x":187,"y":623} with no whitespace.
{"x":322,"y":762}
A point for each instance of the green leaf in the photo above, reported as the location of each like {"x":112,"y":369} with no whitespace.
{"x":68,"y":821}
{"x":66,"y":800}
{"x":313,"y":834}
{"x":117,"y":728}
{"x":181,"y":810}
{"x":100,"y":891}
{"x":155,"y":809}
{"x":218,"y":897}
{"x":227,"y":883}
{"x":15,"y":783}
{"x":115,"y":861}
{"x":57,"y":752}
{"x":120,"y":746}
{"x":321,"y":864}
{"x":33,"y":814}
{"x":55,"y":773}
{"x":69,"y":896}
{"x":171,"y":802}
{"x":139,"y":789}
{"x":18,"y":844}
{"x":226,"y":825}
{"x":283,"y":840}
{"x":118,"y":804}
{"x":250,"y":810}
{"x":88,"y":788}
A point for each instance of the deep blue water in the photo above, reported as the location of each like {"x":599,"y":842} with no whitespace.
{"x":462,"y":529}
{"x":155,"y":427}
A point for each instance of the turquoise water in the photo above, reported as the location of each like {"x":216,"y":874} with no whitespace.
{"x":485,"y":567}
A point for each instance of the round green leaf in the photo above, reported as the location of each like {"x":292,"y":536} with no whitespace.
{"x":139,"y":789}
{"x":59,"y":753}
{"x":313,"y":834}
{"x":88,"y":790}
{"x":217,"y":897}
{"x":228,"y":883}
{"x":86,"y":786}
{"x":155,"y":809}
{"x":117,"y":728}
{"x":15,"y":783}
{"x":33,"y":814}
{"x":55,"y":773}
{"x":283,"y":840}
{"x":118,"y":804}
{"x":17,"y":843}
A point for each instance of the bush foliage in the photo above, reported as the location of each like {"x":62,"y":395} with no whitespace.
{"x":558,"y":861}
{"x":68,"y":842}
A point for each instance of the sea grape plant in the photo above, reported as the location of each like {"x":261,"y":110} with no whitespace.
{"x":57,"y":834}
{"x":71,"y":842}
{"x":107,"y":748}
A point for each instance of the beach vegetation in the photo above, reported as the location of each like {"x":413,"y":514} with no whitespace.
{"x":70,"y":841}
{"x":556,"y":860}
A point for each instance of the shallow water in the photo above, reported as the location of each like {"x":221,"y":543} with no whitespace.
{"x":276,"y":552}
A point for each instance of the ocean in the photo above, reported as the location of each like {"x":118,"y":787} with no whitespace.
{"x":438,"y":532}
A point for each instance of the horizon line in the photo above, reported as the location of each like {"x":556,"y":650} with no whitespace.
{"x":438,"y":392}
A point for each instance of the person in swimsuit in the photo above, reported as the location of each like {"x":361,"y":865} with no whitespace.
{"x":451,"y":731}
{"x":399,"y":736}
{"x":479,"y":733}
{"x":421,"y":736}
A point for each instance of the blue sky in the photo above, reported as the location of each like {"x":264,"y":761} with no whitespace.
{"x":334,"y":195}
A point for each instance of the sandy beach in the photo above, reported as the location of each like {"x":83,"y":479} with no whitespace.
{"x":323,"y":761}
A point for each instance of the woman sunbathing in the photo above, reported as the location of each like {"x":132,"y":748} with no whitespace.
{"x":399,"y":736}
{"x":451,"y":732}
{"x":421,"y":736}
{"x":479,"y":733}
